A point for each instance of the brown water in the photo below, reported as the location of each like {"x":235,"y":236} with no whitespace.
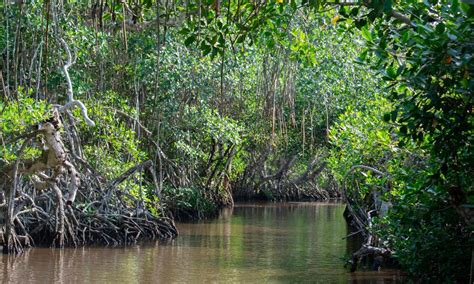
{"x":289,"y":242}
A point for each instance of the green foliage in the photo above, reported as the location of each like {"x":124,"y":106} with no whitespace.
{"x":361,"y":138}
{"x":424,"y":52}
{"x":22,"y":113}
{"x":423,"y":228}
{"x":239,"y":77}
{"x":427,"y":236}
{"x":430,"y":66}
{"x":17,"y":118}
{"x":112,"y":145}
{"x":214,"y":126}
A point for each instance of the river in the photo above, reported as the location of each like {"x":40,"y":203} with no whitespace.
{"x":251,"y":243}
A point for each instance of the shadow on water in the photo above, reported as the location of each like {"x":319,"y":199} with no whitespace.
{"x":276,"y":242}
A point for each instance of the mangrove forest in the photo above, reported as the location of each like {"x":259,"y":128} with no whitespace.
{"x":237,"y":141}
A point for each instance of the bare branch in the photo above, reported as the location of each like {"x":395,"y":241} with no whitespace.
{"x":70,"y":94}
{"x":66,"y":66}
{"x":83,"y":110}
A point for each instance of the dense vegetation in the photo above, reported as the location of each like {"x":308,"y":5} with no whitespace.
{"x":224,"y":100}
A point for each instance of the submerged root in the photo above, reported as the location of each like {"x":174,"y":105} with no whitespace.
{"x":108,"y":217}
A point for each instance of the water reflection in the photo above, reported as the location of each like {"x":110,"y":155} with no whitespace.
{"x":291,"y":242}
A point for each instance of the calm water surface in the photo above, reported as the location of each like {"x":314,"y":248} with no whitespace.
{"x":287,"y":242}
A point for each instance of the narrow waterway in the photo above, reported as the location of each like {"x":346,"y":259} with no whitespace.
{"x":286,"y":242}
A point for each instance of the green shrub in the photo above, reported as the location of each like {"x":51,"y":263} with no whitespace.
{"x":429,"y":238}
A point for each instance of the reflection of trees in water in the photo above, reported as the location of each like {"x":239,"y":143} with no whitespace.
{"x":353,"y":241}
{"x":11,"y":266}
{"x":279,"y":242}
{"x":22,"y":267}
{"x":80,"y":265}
